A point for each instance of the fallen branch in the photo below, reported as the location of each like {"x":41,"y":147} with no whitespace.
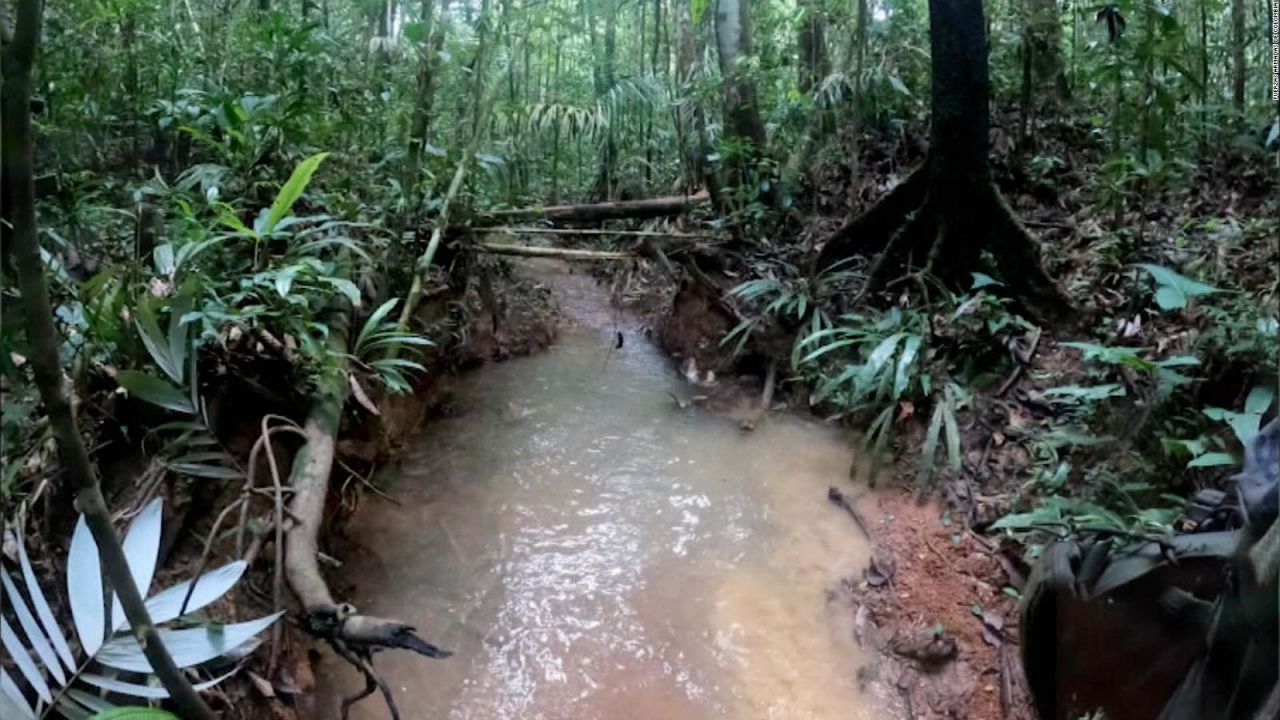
{"x":311,"y":467}
{"x":839,"y":498}
{"x":563,"y":253}
{"x":636,"y":209}
{"x":597,"y":232}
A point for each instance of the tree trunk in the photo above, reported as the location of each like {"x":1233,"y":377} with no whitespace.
{"x":949,"y":211}
{"x":741,"y":109}
{"x":811,"y":43}
{"x":1237,"y":56}
{"x":691,"y":121}
{"x":1044,"y":35}
{"x":18,"y":57}
{"x":685,"y":121}
{"x":428,"y":70}
{"x":605,"y":181}
{"x":859,"y":60}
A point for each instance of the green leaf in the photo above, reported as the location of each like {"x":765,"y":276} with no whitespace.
{"x":901,"y":379}
{"x":371,"y":325}
{"x":134,"y":713}
{"x":879,"y":357}
{"x":980,"y":281}
{"x":292,"y":190}
{"x":164,"y":261}
{"x":180,"y":306}
{"x":154,"y":390}
{"x":1213,"y":459}
{"x":1259,"y":399}
{"x":953,"y":433}
{"x":1175,"y":290}
{"x":346,"y":287}
{"x":931,"y":444}
{"x":1170,"y":298}
{"x":155,"y":341}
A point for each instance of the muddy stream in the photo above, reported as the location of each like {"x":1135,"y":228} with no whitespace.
{"x":589,"y":549}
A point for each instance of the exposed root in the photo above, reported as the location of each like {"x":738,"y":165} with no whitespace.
{"x":878,"y":221}
{"x":945,"y":227}
{"x":919,"y":230}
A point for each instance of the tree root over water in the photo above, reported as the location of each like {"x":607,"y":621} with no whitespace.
{"x":353,"y":637}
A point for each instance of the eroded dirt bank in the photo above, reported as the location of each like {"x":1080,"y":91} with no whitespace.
{"x":934,"y":609}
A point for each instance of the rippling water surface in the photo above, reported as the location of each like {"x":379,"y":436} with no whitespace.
{"x":589,"y":550}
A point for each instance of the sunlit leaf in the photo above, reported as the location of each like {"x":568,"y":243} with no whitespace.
{"x":154,"y":390}
{"x":292,"y":190}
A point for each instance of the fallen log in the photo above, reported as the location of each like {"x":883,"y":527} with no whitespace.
{"x":502,"y":229}
{"x":562,"y":253}
{"x":635,"y":209}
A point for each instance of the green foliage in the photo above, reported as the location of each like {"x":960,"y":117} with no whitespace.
{"x":379,"y":342}
{"x":134,"y":713}
{"x":1174,"y":291}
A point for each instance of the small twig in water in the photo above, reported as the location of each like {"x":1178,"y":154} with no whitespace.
{"x":369,"y":484}
{"x":839,"y":498}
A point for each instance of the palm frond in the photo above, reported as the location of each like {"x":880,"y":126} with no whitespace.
{"x":55,"y":681}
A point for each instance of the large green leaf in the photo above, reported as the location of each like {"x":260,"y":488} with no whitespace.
{"x":902,"y":379}
{"x":1175,"y":290}
{"x":154,"y":390}
{"x":292,"y":190}
{"x":156,"y":342}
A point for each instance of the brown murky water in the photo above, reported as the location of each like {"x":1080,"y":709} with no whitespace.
{"x":590,"y":550}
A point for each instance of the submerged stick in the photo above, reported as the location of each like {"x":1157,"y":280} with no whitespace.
{"x":839,"y":498}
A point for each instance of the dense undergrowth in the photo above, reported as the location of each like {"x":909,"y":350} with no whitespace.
{"x":222,"y":188}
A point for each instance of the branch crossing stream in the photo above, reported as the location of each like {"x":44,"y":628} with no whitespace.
{"x":591,"y":550}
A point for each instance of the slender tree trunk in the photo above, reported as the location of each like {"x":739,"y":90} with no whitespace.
{"x":1237,"y":56}
{"x":811,"y":43}
{"x":18,"y":57}
{"x":479,"y":114}
{"x":555,"y":131}
{"x":741,"y":108}
{"x":1044,"y":35}
{"x":1145,"y":126}
{"x":691,"y":117}
{"x":1204,"y":78}
{"x":859,"y":59}
{"x":606,"y":184}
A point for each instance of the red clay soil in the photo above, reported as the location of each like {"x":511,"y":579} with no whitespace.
{"x":934,"y":575}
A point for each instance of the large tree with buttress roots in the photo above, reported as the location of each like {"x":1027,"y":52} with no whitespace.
{"x":948,"y":211}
